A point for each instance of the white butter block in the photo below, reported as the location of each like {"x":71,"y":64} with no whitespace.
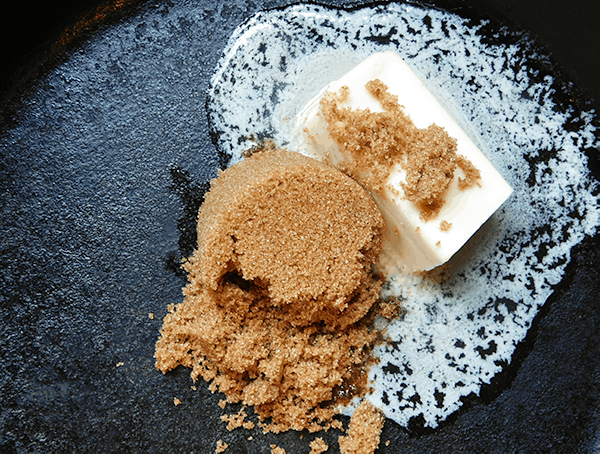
{"x":411,"y":243}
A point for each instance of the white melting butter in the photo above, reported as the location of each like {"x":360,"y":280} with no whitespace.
{"x":413,"y":244}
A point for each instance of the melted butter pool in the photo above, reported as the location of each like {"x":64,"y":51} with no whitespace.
{"x":461,"y":325}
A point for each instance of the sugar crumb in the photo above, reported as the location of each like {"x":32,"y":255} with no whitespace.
{"x":389,"y":308}
{"x":365,"y":428}
{"x":337,"y":424}
{"x":237,"y":420}
{"x":120,"y":363}
{"x":317,"y":446}
{"x":151,"y":316}
{"x":221,"y":446}
{"x":176,"y":401}
{"x":472,"y":174}
{"x":445,"y":226}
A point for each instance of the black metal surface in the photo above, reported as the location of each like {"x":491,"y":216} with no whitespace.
{"x":97,"y":207}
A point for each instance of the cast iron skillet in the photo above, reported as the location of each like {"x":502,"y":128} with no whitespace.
{"x":76,"y":284}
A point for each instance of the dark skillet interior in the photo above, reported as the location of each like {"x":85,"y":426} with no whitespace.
{"x":93,"y":228}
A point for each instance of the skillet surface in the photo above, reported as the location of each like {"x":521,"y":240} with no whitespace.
{"x":96,"y":215}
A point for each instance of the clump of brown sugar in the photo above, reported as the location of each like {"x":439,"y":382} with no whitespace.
{"x":221,"y":446}
{"x":317,"y":446}
{"x":365,"y":430}
{"x":472,"y":174}
{"x":389,"y":308}
{"x":377,"y":142}
{"x":237,"y":420}
{"x":445,"y":226}
{"x":277,"y":312}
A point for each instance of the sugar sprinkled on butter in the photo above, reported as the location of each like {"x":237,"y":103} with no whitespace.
{"x":418,"y":244}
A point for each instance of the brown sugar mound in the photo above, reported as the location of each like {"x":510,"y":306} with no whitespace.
{"x":281,"y":282}
{"x":378,"y":141}
{"x":296,"y":227}
{"x":365,"y":430}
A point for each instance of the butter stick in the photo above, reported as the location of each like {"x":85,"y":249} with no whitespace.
{"x":412,"y":243}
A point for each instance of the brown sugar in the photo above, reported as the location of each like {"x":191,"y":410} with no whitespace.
{"x":472,"y":174}
{"x":238,"y":420}
{"x":317,"y":446}
{"x":221,"y":446}
{"x":277,"y":311}
{"x":389,"y":308}
{"x":445,"y":226}
{"x":273,"y":212}
{"x":365,"y":430}
{"x":376,"y":142}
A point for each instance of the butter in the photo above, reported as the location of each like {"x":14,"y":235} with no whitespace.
{"x":411,"y":243}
